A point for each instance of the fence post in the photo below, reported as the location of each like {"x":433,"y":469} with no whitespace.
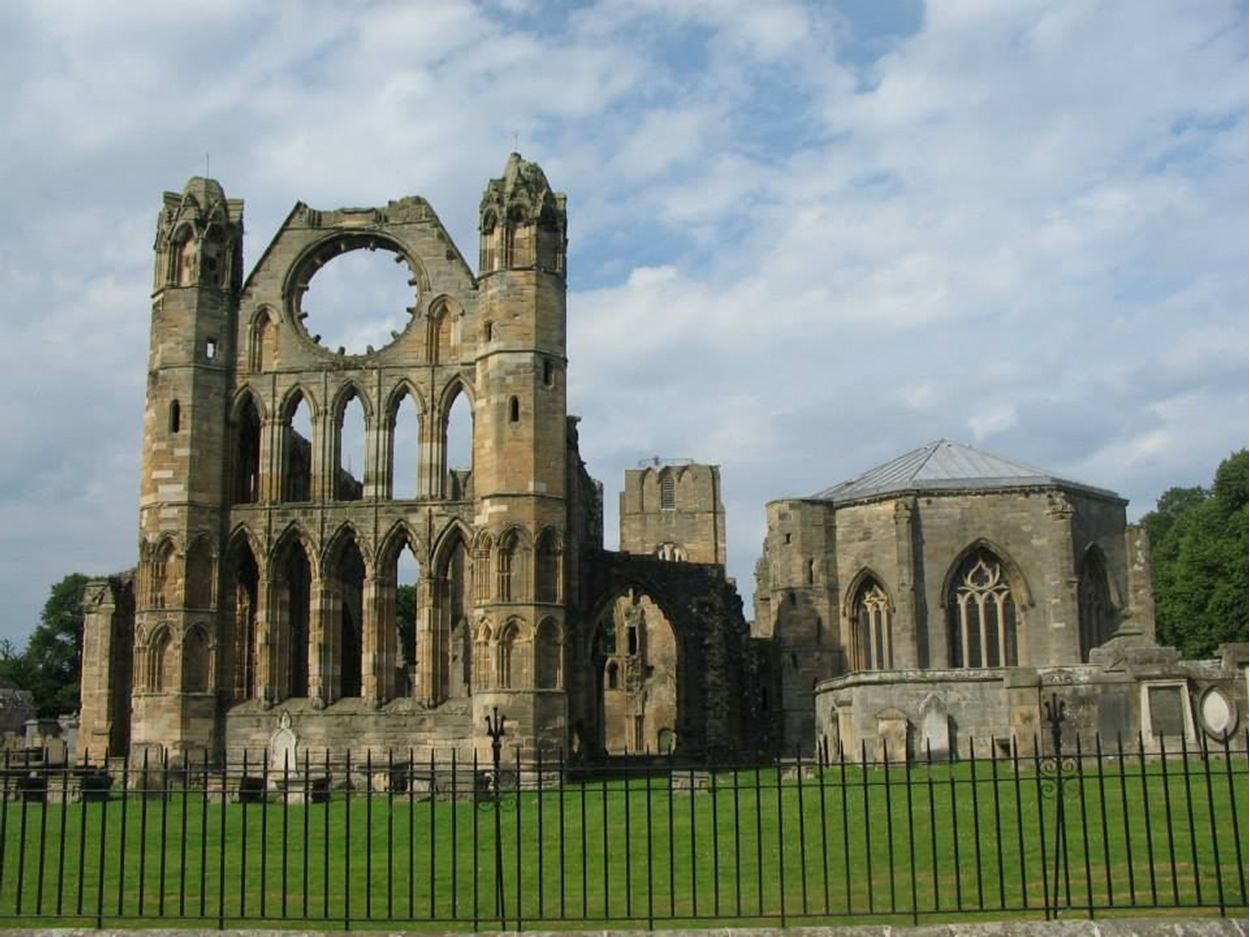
{"x":1056,"y":714}
{"x":495,"y":729}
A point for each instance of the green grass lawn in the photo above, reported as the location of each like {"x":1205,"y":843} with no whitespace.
{"x":846,"y":845}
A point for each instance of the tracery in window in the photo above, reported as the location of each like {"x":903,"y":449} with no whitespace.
{"x":872,"y":639}
{"x":981,"y":614}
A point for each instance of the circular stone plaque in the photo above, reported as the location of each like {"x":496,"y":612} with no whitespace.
{"x":1218,"y":717}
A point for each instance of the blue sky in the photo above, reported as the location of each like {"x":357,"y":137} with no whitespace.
{"x":804,"y":238}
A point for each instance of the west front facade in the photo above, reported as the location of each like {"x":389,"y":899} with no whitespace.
{"x":266,"y":588}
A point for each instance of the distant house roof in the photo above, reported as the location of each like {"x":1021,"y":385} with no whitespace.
{"x":948,"y":466}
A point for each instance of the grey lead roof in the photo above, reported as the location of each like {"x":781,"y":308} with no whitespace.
{"x":947,"y":465}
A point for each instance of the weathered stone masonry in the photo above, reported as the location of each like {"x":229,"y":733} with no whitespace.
{"x":266,"y":581}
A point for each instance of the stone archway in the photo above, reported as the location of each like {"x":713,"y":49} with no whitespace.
{"x":637,"y":656}
{"x":710,"y":648}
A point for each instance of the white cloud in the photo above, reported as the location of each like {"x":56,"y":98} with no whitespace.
{"x":793,"y":256}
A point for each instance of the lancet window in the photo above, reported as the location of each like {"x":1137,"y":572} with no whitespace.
{"x":981,"y":614}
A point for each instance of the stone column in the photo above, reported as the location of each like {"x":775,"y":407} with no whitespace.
{"x":431,"y":444}
{"x":375,"y":685}
{"x":267,"y":629}
{"x":322,"y":642}
{"x":323,"y":476}
{"x":373,"y":472}
{"x":1060,"y":641}
{"x":97,"y":689}
{"x":1139,"y":616}
{"x":905,"y":643}
{"x":426,"y":651}
{"x":269,"y":460}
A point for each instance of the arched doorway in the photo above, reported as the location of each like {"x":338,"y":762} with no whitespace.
{"x":635,"y":655}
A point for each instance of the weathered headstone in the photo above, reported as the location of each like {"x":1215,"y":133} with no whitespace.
{"x":892,"y":733}
{"x":935,"y":728}
{"x":283,"y":747}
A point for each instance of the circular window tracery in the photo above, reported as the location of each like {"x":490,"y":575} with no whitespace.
{"x":356,"y":294}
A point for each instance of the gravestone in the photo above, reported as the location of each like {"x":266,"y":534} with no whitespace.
{"x":892,"y":734}
{"x":935,"y":728}
{"x":283,"y":747}
{"x":1113,"y":719}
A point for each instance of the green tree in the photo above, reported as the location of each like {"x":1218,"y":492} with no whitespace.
{"x":406,"y":618}
{"x":1199,"y":555}
{"x":12,"y":665}
{"x":53,"y":655}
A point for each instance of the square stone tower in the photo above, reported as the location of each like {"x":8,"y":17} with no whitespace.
{"x":672,"y":509}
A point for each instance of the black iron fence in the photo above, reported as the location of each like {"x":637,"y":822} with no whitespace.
{"x":530,"y":841}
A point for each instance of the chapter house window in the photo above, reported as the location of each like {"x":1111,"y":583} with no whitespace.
{"x":872,"y":645}
{"x":981,"y":614}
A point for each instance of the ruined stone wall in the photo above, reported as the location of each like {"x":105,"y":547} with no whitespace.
{"x":713,"y":647}
{"x":105,"y":680}
{"x":801,"y":611}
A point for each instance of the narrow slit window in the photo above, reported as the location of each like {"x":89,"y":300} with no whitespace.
{"x":549,"y":374}
{"x":210,"y":348}
{"x":175,"y":417}
{"x":514,"y":411}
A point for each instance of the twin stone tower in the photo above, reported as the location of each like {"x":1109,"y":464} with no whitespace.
{"x":267,"y":579}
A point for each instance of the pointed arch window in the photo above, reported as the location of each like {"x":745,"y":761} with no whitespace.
{"x":981,"y":614}
{"x":195,"y":661}
{"x":1095,"y":611}
{"x":479,"y":674}
{"x":297,"y":450}
{"x":488,"y":259}
{"x":872,"y":638}
{"x":506,"y":569}
{"x":159,"y":660}
{"x":547,"y":651}
{"x":507,"y":648}
{"x":549,"y":555}
{"x":246,"y":431}
{"x":185,"y":266}
{"x":481,"y":570}
{"x":263,"y":347}
{"x":351,"y":429}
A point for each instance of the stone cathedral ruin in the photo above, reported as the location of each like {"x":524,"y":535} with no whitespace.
{"x":935,"y":599}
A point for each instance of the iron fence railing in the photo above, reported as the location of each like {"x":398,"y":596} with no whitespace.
{"x":527,"y":841}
